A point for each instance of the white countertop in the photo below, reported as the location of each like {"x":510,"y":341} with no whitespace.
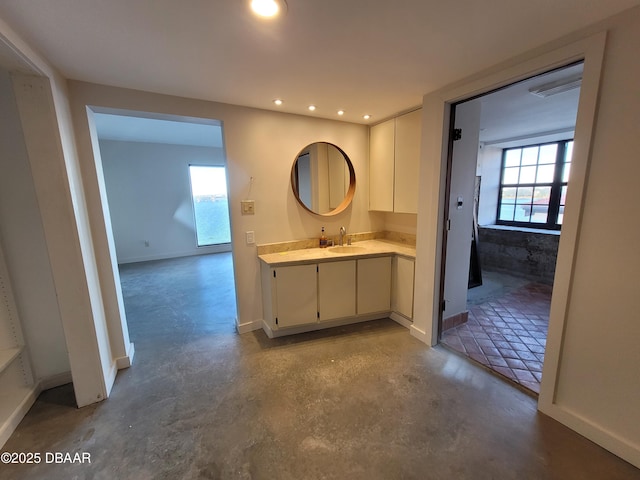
{"x":364,"y":249}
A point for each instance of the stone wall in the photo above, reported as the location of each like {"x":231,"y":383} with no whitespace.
{"x":528,"y":254}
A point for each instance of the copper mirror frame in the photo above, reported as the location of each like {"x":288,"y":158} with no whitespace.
{"x":323,"y":179}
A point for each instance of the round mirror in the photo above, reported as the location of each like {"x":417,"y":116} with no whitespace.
{"x":323,"y":179}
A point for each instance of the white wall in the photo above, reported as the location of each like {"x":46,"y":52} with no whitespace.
{"x":598,"y":374}
{"x":149,"y":194}
{"x":258,"y":144}
{"x":400,"y":222}
{"x":489,"y":163}
{"x":22,"y":237}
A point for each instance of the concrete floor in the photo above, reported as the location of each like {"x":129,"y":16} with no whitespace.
{"x":361,"y":402}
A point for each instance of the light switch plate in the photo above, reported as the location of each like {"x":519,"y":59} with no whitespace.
{"x":251,"y":237}
{"x":248,"y":207}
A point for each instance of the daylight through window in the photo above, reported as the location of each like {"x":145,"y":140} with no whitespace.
{"x":210,"y":204}
{"x":533,"y":185}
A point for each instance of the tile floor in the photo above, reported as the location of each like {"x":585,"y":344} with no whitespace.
{"x":507,"y":334}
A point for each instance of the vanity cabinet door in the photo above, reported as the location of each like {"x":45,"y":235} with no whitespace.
{"x":402,"y":282}
{"x":374,"y":285}
{"x":337,"y":290}
{"x":295,"y":292}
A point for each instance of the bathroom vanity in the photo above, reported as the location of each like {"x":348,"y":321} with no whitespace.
{"x":315,"y":288}
{"x":307,"y":288}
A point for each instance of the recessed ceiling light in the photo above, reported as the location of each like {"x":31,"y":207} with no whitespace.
{"x":312,"y":107}
{"x":366,"y":117}
{"x":340,"y":112}
{"x":268,"y":8}
{"x":277,"y":101}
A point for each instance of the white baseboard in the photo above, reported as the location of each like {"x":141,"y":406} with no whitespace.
{"x":401,"y":319}
{"x":164,"y":256}
{"x":127,"y":360}
{"x":419,"y":334}
{"x":311,"y":327}
{"x":267,"y":329}
{"x":30,"y":395}
{"x":248,"y":326}
{"x":12,"y":422}
{"x":54,"y":381}
{"x":621,"y":447}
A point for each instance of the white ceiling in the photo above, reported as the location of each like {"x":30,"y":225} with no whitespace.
{"x":151,"y":130}
{"x":510,"y":116}
{"x":513,"y":116}
{"x":363,"y":56}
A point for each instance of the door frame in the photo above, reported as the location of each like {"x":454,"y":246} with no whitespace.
{"x":108,"y":264}
{"x":449,"y":177}
{"x":445,"y":216}
{"x":436,"y":119}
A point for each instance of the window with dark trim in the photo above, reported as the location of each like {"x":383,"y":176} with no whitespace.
{"x":533,"y":185}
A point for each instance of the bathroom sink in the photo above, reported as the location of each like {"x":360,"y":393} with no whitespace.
{"x":346,"y":249}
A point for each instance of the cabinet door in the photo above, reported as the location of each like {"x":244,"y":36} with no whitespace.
{"x":337,"y":289}
{"x":296,"y":295}
{"x":402,"y":282}
{"x":407,"y":162}
{"x":381,"y":154}
{"x":374,"y":285}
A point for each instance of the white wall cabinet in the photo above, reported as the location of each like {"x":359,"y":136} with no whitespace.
{"x":394,"y":161}
{"x":381,"y":166}
{"x":407,"y":162}
{"x":402,"y":279}
{"x":336,"y":290}
{"x":374,"y":285}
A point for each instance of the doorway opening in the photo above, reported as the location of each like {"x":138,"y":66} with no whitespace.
{"x":507,"y":176}
{"x":166,"y":190}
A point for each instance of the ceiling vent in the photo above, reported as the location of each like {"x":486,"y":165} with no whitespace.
{"x":559,"y":86}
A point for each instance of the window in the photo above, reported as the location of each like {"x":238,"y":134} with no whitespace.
{"x":210,"y":205}
{"x":533,"y":185}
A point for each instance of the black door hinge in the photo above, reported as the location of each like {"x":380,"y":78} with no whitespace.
{"x":276,"y":320}
{"x":274,"y":274}
{"x":444,"y":305}
{"x":318,"y":314}
{"x":457,"y":134}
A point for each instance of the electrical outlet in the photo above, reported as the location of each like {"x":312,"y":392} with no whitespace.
{"x":251,"y":237}
{"x":248,"y":207}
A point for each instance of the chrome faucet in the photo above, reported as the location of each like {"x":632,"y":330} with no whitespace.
{"x":343,"y":232}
